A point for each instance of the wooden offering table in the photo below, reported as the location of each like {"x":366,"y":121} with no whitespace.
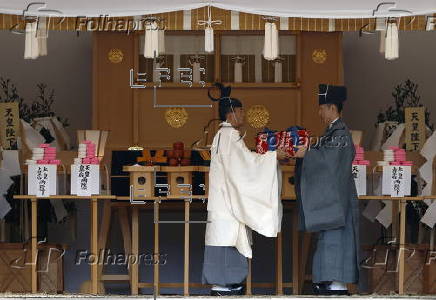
{"x":94,"y":232}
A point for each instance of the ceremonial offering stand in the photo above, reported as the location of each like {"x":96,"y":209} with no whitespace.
{"x":142,"y":180}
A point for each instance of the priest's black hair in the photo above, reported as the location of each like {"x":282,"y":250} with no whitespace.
{"x":226,"y":103}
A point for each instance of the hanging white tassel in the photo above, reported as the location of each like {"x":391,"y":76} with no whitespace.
{"x":151,"y":40}
{"x":267,"y":41}
{"x":28,"y":42}
{"x":208,"y":39}
{"x":278,"y":71}
{"x":274,"y":41}
{"x":238,"y":72}
{"x":42,"y":36}
{"x":34,"y":47}
{"x":271,"y":41}
{"x":382,"y":46}
{"x":161,"y":41}
{"x":392,"y":43}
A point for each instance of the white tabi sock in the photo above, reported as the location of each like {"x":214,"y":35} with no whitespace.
{"x":220,"y":288}
{"x":337,"y":286}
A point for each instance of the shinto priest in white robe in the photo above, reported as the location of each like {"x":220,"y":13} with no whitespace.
{"x":243,"y":192}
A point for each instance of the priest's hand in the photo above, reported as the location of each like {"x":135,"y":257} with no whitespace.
{"x":281,"y":155}
{"x":301,"y":151}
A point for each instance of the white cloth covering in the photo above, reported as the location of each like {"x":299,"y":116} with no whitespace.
{"x":243,"y":193}
{"x":281,"y":8}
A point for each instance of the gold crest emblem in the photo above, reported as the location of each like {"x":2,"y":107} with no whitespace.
{"x":257,"y":116}
{"x":319,"y":56}
{"x":176,"y":117}
{"x":115,"y":56}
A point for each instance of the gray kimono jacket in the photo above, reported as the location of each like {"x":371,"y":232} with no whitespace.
{"x":328,"y":204}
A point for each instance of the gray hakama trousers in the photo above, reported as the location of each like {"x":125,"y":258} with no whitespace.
{"x":335,"y":255}
{"x":223,"y":266}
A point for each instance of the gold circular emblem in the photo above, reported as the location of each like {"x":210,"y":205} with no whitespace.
{"x":176,"y":117}
{"x":115,"y":56}
{"x":257,"y":116}
{"x":319,"y":56}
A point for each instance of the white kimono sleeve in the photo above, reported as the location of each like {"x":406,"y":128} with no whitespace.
{"x":251,"y":183}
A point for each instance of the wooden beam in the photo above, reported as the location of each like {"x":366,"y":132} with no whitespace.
{"x":94,"y":245}
{"x":34,"y":275}
{"x":186,"y":252}
{"x":279,"y":264}
{"x":156,"y":249}
{"x":134,"y":278}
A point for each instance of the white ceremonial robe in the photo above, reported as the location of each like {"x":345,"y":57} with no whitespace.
{"x":243,"y":193}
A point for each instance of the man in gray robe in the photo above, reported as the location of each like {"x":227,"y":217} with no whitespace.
{"x":327,"y":198}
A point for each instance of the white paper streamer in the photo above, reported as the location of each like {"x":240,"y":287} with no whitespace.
{"x":385,"y":215}
{"x":238,"y":72}
{"x":429,"y":217}
{"x":428,"y":151}
{"x":392,"y":42}
{"x":62,"y":132}
{"x":31,"y":137}
{"x":208,"y":39}
{"x":394,"y":139}
{"x":278,"y":71}
{"x":372,"y":210}
{"x":271,"y":41}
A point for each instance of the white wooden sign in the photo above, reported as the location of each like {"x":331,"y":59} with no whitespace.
{"x":359,"y":175}
{"x":397,"y":181}
{"x":85,"y":180}
{"x":42,"y":180}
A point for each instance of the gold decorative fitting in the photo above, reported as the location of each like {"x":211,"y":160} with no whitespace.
{"x":319,"y":56}
{"x":176,"y":117}
{"x":257,"y":116}
{"x":115,"y":56}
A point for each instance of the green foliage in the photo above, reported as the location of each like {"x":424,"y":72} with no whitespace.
{"x":405,"y":95}
{"x":41,"y":107}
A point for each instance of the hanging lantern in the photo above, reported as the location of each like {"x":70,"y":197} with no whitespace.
{"x":392,"y":42}
{"x":271,"y":41}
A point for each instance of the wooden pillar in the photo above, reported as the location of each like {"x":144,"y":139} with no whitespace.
{"x":295,"y":252}
{"x":401,"y":272}
{"x":279,"y":264}
{"x":248,"y":280}
{"x":94,"y":246}
{"x":186,"y":252}
{"x":134,"y":278}
{"x":104,"y":231}
{"x":156,"y":248}
{"x":34,"y":275}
